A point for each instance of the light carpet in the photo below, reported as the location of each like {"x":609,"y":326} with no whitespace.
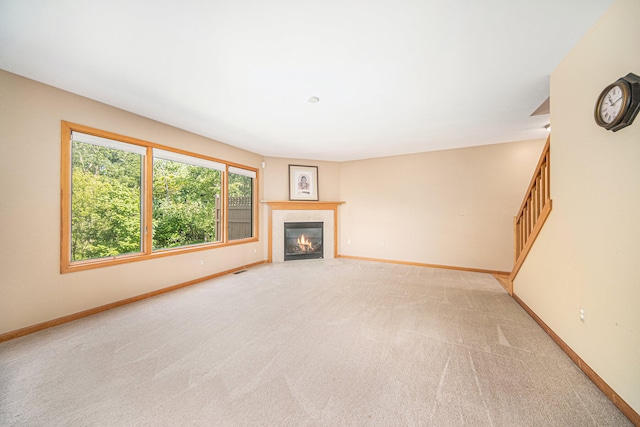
{"x":305,"y":343}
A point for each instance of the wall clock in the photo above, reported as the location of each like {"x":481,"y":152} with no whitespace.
{"x":619,"y":103}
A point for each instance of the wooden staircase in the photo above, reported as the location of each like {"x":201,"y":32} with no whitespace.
{"x":533,"y":212}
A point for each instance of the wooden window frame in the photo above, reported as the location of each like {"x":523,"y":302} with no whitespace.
{"x":147,"y":252}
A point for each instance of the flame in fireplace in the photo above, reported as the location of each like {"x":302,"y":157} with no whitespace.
{"x":305,"y":245}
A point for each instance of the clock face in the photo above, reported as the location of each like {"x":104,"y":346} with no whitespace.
{"x":611,"y":104}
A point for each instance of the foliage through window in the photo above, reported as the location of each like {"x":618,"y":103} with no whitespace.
{"x":106,"y":198}
{"x":185,"y":199}
{"x":125,"y":199}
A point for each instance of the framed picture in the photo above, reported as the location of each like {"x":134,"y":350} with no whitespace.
{"x":303,"y":182}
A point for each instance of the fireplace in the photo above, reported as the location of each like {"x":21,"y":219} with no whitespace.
{"x":280,"y":212}
{"x":303,"y":240}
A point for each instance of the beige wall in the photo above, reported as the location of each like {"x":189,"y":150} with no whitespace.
{"x":32,"y":290}
{"x":587,"y":254}
{"x":452,"y":207}
{"x":276,"y":178}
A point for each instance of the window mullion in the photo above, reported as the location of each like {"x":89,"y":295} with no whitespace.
{"x":147,"y":207}
{"x":224,"y":209}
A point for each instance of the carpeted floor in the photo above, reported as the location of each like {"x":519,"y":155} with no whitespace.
{"x":315,"y":343}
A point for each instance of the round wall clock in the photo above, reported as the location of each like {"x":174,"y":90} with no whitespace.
{"x":619,"y":103}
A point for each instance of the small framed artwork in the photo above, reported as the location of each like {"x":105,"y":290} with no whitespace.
{"x":303,"y":182}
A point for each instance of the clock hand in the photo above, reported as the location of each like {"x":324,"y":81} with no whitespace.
{"x":615,"y":101}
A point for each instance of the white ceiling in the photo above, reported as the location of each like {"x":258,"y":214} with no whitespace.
{"x":393,"y":76}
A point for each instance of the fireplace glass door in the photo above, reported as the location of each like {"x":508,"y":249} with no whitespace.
{"x":303,"y":240}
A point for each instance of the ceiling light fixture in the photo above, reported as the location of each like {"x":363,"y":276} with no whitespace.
{"x":314,"y":100}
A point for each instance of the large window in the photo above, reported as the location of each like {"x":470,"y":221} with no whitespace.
{"x":124,"y":200}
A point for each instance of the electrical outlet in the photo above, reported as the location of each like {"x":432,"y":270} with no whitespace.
{"x":582,"y":315}
{"x":255,"y":251}
{"x":348,"y":241}
{"x":201,"y":262}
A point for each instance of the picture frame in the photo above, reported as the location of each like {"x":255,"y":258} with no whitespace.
{"x":303,"y":182}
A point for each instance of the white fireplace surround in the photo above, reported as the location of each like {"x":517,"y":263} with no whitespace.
{"x":302,"y":211}
{"x":278,"y":218}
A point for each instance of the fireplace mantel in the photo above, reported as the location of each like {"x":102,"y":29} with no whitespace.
{"x":286,"y":205}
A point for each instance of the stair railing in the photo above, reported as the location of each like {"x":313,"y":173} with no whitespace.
{"x":533,"y":212}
